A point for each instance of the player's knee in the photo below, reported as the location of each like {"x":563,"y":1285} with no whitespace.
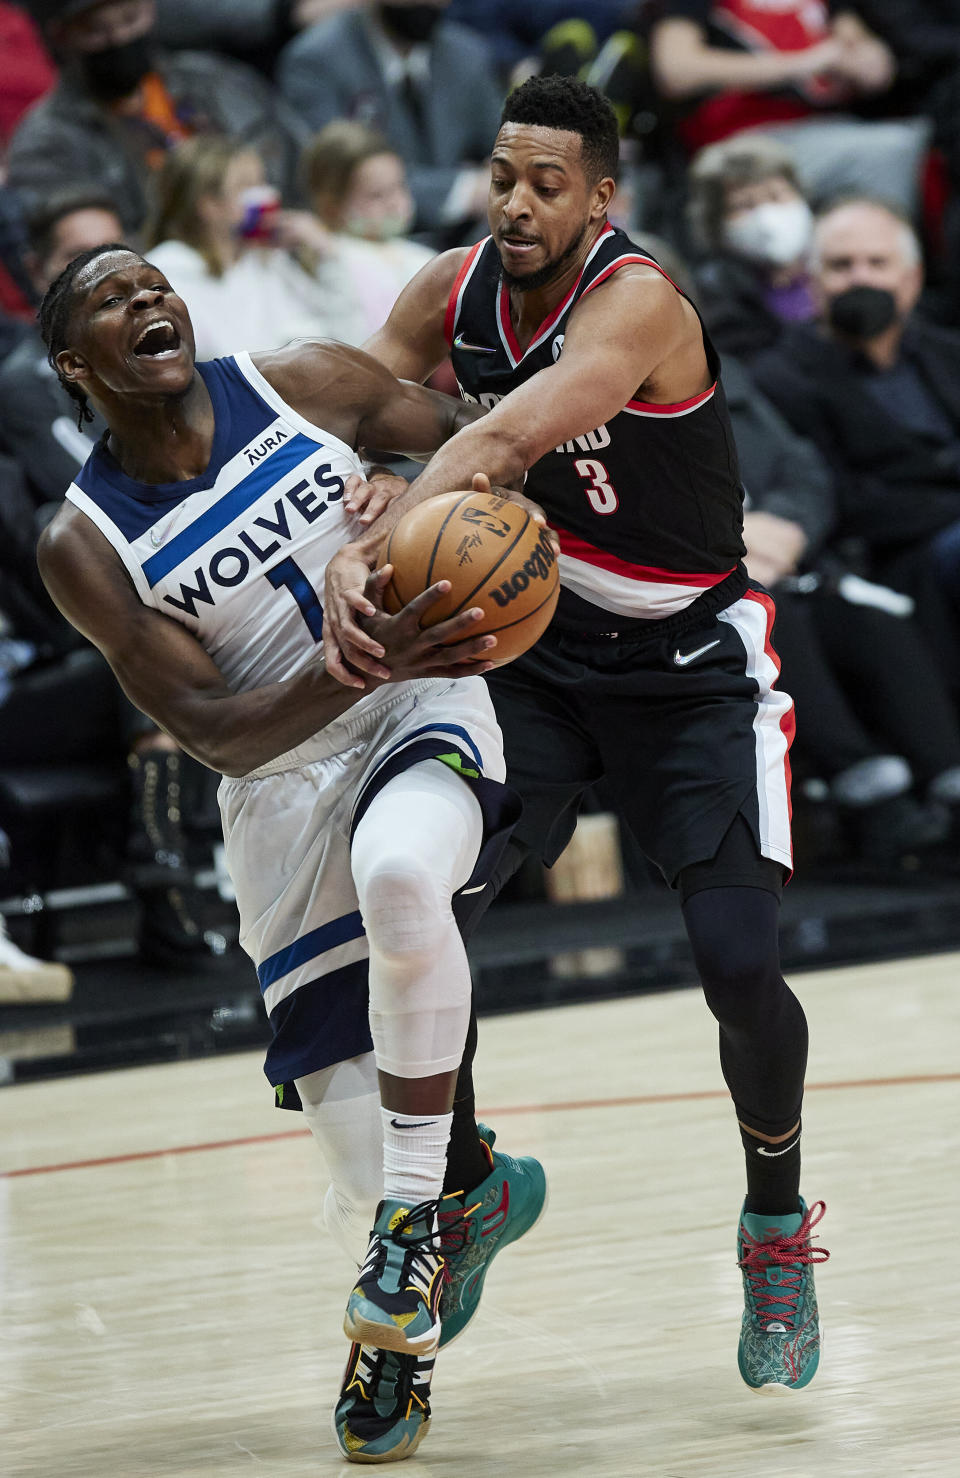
{"x":406,"y":910}
{"x":740,"y":981}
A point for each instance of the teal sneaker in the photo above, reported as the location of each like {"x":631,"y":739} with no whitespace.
{"x":383,"y":1412}
{"x":501,"y":1209}
{"x":780,"y":1334}
{"x":395,"y":1304}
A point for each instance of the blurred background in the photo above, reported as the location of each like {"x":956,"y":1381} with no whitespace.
{"x":291,"y":166}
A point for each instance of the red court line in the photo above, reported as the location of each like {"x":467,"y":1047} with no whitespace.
{"x":638,"y":1100}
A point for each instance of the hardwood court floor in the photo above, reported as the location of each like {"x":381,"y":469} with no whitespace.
{"x":170,"y":1310}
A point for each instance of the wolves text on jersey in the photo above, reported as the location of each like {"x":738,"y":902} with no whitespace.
{"x":260,"y":540}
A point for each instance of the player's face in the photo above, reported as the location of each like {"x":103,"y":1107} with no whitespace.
{"x":541,"y":202}
{"x":129,"y":332}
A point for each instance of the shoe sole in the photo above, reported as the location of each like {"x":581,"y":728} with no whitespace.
{"x":390,"y":1337}
{"x":535,"y":1223}
{"x":396,"y":1454}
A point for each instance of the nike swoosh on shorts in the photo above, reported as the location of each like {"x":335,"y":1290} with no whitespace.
{"x":683,"y":659}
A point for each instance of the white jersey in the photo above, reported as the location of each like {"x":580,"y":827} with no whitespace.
{"x":238,"y":555}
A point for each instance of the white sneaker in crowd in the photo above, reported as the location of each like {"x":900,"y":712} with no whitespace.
{"x":22,"y":978}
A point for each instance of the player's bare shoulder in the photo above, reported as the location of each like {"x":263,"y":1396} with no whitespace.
{"x":638,"y":304}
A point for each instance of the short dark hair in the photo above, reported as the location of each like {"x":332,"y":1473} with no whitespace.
{"x":572,"y":106}
{"x":55,"y":311}
{"x":47,"y":214}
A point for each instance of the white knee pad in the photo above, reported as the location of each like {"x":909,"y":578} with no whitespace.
{"x":414,"y":847}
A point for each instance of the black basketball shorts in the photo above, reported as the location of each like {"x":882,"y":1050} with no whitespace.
{"x":684,"y":721}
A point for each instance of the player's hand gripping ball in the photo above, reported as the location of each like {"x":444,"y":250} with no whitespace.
{"x":495,"y":557}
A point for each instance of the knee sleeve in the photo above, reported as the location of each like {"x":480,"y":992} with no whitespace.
{"x":341,"y":1106}
{"x":415,"y":846}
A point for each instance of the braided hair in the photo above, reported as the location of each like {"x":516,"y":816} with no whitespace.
{"x":54,"y":315}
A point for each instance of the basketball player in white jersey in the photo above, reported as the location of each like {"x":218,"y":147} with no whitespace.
{"x":190,"y":550}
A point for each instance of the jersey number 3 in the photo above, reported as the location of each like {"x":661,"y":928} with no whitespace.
{"x":603,"y":498}
{"x":289,"y":576}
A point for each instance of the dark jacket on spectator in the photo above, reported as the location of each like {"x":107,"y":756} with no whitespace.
{"x":38,"y":422}
{"x":783,"y":473}
{"x":730,"y":297}
{"x":69,"y":137}
{"x":893,"y":486}
{"x":332,"y":71}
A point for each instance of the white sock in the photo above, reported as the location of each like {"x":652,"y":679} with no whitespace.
{"x":414,"y":1155}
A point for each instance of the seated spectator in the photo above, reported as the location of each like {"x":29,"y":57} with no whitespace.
{"x":215,"y":236}
{"x":28,"y":71}
{"x":36,"y":424}
{"x":799,"y":72}
{"x":251,"y":30}
{"x":121,"y":103}
{"x":17,"y":298}
{"x":427,"y":84}
{"x":877,"y":389}
{"x":357,"y":187}
{"x":749,"y":219}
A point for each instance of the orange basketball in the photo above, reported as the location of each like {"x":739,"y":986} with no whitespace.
{"x":494,"y":556}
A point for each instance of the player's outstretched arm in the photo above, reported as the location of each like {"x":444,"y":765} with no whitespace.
{"x":165,"y":671}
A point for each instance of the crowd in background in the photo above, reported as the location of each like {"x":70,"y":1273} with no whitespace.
{"x":289,"y":167}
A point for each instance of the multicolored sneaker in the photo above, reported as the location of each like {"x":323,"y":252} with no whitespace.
{"x":395,"y":1304}
{"x":497,"y":1212}
{"x":780,"y":1334}
{"x":383,"y":1412}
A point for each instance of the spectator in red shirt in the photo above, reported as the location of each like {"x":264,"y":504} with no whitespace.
{"x":799,"y":71}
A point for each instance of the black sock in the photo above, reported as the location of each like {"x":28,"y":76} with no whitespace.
{"x":468,"y":1163}
{"x":773,"y":1174}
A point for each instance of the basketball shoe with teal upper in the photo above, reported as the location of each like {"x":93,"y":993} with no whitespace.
{"x":383,"y":1411}
{"x":395,"y":1303}
{"x":475,"y":1227}
{"x":780,"y":1333}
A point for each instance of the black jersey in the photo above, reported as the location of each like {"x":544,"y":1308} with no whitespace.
{"x":649,"y":507}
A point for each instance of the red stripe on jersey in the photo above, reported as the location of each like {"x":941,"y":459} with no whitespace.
{"x":788,"y":724}
{"x":578,"y":548}
{"x":450,"y":317}
{"x":653,"y":409}
{"x":626,"y":262}
{"x":551,"y":318}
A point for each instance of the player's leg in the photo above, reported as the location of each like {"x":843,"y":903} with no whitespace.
{"x":415,"y":845}
{"x":733,"y":931}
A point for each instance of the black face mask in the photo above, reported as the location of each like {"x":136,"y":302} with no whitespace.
{"x":862,"y":312}
{"x":414,"y":23}
{"x":114,"y":72}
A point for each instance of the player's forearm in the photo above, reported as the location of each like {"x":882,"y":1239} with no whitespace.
{"x":503,"y":455}
{"x":234,"y":733}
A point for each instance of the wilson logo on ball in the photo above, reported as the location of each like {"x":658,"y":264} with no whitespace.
{"x":536,"y":567}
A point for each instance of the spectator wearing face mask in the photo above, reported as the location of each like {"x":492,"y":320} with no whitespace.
{"x":876,"y":387}
{"x":752,"y":225}
{"x":357,"y":187}
{"x":220,"y":237}
{"x":121,"y":103}
{"x":425,"y":83}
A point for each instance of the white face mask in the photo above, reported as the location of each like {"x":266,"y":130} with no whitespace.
{"x":772,"y":234}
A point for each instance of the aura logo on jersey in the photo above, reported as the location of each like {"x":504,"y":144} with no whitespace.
{"x":251,"y":547}
{"x":536,"y":566}
{"x":255,"y":454}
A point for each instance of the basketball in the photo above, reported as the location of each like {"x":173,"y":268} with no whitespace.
{"x":494,"y":556}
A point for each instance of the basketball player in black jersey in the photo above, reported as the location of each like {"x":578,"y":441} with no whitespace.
{"x":658,"y":671}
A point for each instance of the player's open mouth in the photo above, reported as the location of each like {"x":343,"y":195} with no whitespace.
{"x":518,"y":243}
{"x":159,"y":340}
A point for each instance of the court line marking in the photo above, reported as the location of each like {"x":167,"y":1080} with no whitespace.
{"x":639,"y":1100}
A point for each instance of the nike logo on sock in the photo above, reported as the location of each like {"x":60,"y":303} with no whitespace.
{"x":427,"y":1123}
{"x":772,"y":1154}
